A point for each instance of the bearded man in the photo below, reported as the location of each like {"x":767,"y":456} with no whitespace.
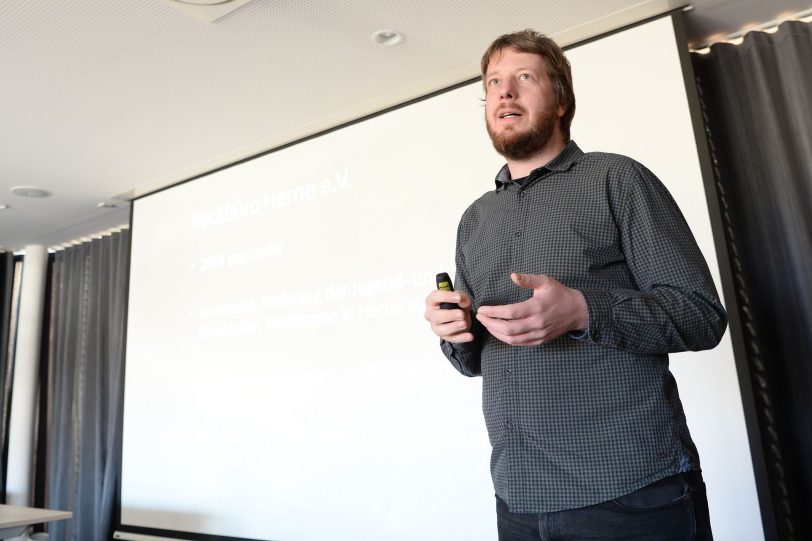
{"x":576,"y":277}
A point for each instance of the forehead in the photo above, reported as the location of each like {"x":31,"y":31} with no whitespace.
{"x":509,"y":58}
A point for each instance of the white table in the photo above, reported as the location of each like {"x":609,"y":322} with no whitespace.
{"x":15,"y":520}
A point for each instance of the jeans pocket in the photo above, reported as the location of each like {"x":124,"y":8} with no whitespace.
{"x":660,"y":494}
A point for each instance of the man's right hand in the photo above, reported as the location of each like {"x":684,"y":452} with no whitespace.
{"x":450,"y":325}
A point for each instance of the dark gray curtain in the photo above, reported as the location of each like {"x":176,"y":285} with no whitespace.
{"x":757,"y":101}
{"x":7,"y":268}
{"x":82,"y":394}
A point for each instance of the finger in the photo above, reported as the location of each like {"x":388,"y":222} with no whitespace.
{"x":451,"y":329}
{"x":528,"y":339}
{"x":459,"y":338}
{"x":508,"y":311}
{"x":530,"y":281}
{"x":509,"y":327}
{"x":440,"y":316}
{"x":438,"y":296}
{"x":464,"y":300}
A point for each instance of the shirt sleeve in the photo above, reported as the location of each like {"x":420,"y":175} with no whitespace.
{"x":465,"y":357}
{"x":675,"y":306}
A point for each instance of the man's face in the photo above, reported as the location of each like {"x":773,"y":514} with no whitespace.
{"x":521,"y":112}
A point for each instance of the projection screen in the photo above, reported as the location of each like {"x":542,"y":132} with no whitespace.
{"x":281,"y":383}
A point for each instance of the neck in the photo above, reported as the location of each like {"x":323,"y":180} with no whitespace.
{"x":522,"y":168}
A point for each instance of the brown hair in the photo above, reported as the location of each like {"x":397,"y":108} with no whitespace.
{"x":558,"y":67}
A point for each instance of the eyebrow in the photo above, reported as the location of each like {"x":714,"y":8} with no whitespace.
{"x":520,"y":68}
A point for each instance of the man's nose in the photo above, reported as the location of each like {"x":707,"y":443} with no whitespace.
{"x":507,"y":90}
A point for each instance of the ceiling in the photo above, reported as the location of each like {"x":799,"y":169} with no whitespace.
{"x":103,"y":101}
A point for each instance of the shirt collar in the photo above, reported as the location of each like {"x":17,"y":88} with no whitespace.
{"x":565,"y":159}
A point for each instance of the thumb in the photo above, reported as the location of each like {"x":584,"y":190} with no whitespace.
{"x":529,"y":281}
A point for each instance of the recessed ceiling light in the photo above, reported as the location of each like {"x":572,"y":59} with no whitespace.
{"x":107,"y":205}
{"x":30,"y":191}
{"x":207,"y":11}
{"x":387,"y":37}
{"x":3,"y":206}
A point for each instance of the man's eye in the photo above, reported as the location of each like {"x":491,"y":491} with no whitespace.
{"x":493,"y":82}
{"x":524,"y":76}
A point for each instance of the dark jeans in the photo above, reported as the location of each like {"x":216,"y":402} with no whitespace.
{"x":674,"y":508}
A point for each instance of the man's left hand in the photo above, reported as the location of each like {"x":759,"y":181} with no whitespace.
{"x":553,"y":310}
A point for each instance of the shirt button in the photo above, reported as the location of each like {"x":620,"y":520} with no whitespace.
{"x":508,"y":371}
{"x":511,"y":424}
{"x":518,"y":233}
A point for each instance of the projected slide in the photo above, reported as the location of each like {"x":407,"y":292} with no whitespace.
{"x":281,"y":382}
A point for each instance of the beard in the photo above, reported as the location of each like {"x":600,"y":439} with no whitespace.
{"x":521,"y":145}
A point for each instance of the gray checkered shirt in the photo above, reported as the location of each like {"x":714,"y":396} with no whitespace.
{"x":585,"y":418}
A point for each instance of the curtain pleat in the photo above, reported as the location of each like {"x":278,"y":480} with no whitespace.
{"x":6,"y":360}
{"x":757,"y":100}
{"x":83,"y":401}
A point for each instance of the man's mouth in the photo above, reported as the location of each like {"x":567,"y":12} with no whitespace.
{"x":509,"y":114}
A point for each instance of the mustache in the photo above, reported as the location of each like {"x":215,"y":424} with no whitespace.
{"x":511,"y":108}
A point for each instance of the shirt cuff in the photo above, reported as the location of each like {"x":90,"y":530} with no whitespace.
{"x":599,"y":307}
{"x":462,"y":355}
